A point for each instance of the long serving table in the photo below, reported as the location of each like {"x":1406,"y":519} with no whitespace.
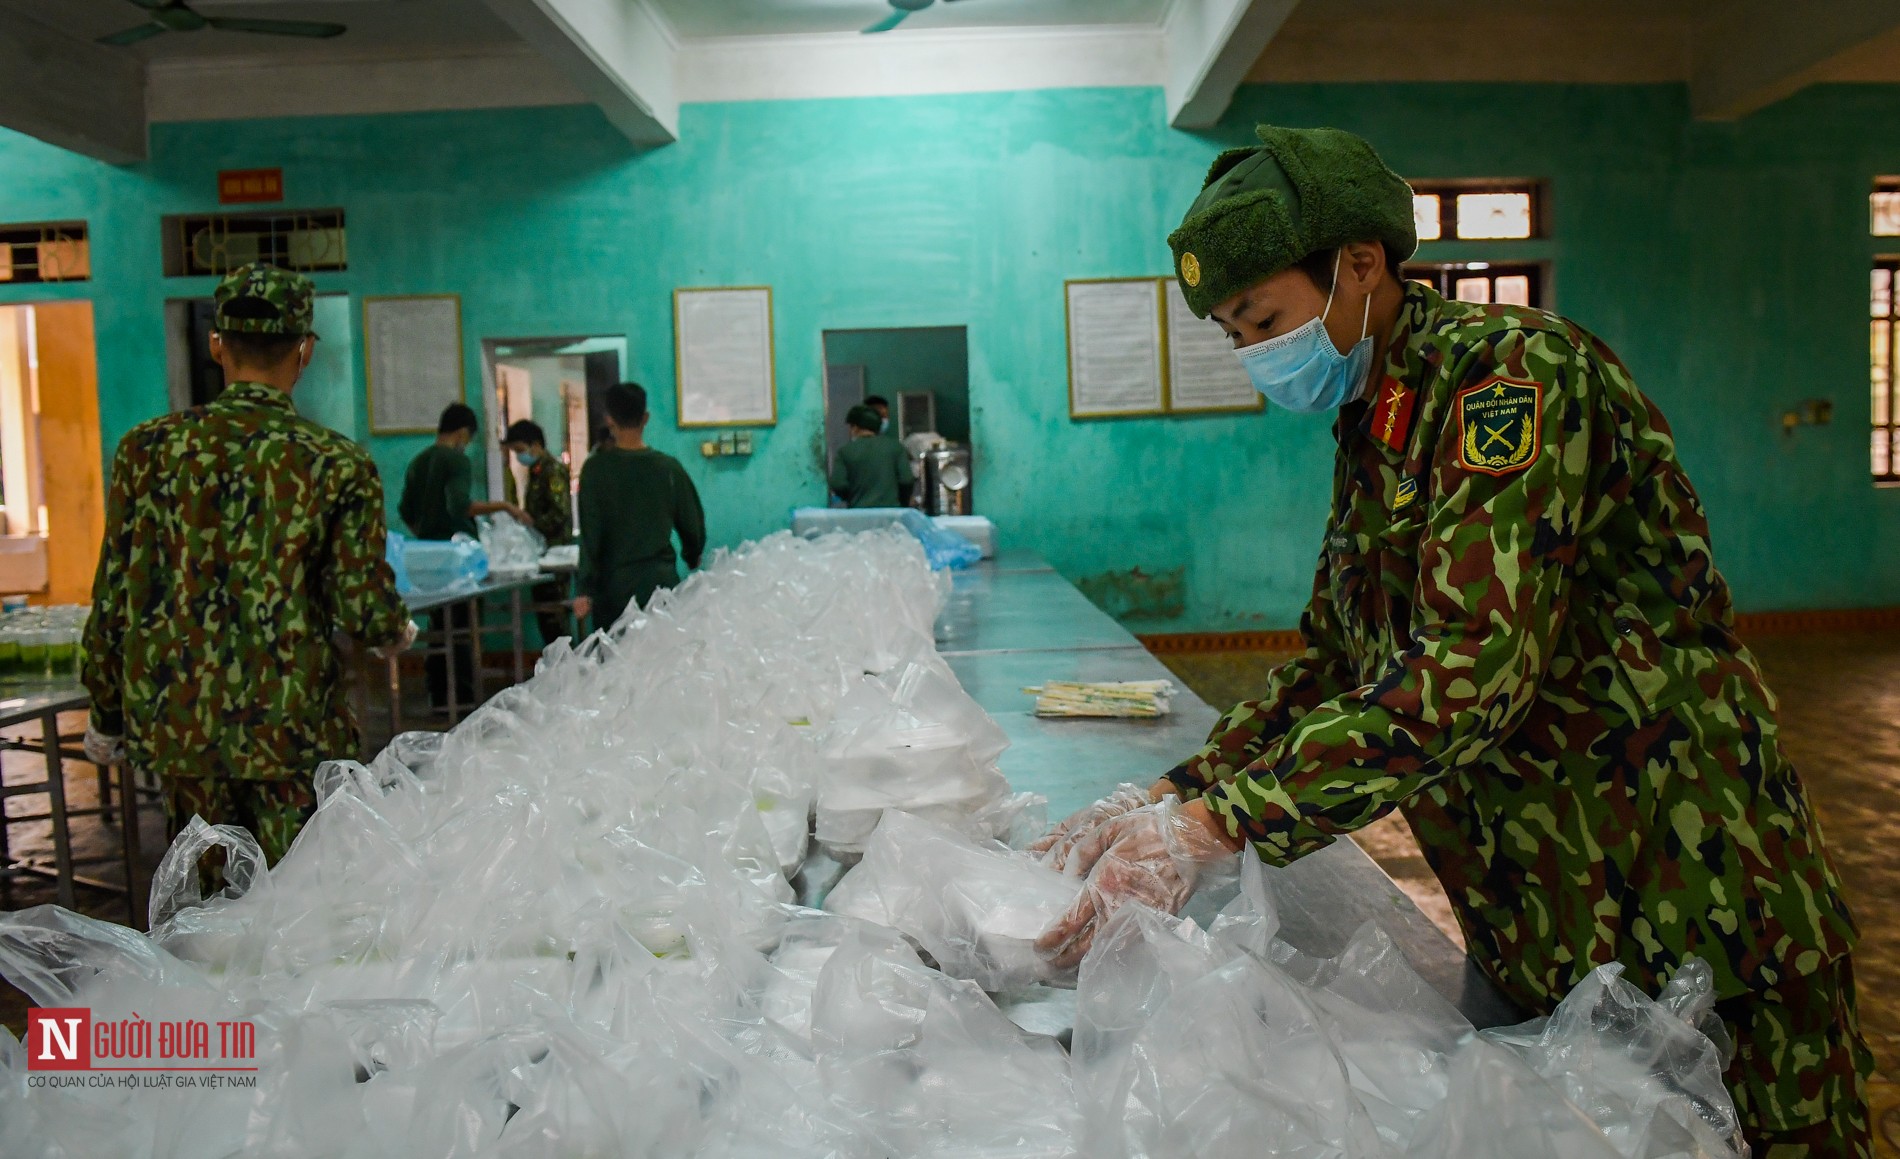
{"x":45,"y":703}
{"x":1013,"y":622}
{"x":442,"y":641}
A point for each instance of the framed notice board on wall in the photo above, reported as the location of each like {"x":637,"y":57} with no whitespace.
{"x":1117,"y":352}
{"x":1204,"y":377}
{"x":1135,"y":348}
{"x":722,"y":349}
{"x":412,"y":358}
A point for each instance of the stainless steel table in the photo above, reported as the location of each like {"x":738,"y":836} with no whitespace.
{"x":1013,"y":622}
{"x":20,"y":704}
{"x":444,"y":640}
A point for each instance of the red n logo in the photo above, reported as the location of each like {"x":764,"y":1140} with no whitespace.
{"x":59,"y":1038}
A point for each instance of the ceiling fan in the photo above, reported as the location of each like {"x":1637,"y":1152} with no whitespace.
{"x":176,"y":16}
{"x":900,"y":9}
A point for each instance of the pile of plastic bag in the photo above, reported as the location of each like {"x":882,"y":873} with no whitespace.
{"x":567,"y":927}
{"x":513,"y":547}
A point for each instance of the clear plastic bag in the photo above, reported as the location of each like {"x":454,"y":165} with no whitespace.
{"x":976,"y":910}
{"x":1640,"y":1069}
{"x":513,"y":547}
{"x":910,"y":739}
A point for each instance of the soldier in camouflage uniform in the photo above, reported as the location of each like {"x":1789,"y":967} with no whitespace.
{"x":550,"y":508}
{"x":1517,"y":638}
{"x":240,"y":538}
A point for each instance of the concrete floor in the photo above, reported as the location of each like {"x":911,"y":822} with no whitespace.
{"x":1840,"y":722}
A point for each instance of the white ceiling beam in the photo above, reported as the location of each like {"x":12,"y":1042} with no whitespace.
{"x":1750,"y":54}
{"x":619,"y":52}
{"x":71,"y":92}
{"x":918,"y":62}
{"x":1211,"y":46}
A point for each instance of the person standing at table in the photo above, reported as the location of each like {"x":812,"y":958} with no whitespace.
{"x":1517,"y":638}
{"x":633,"y":499}
{"x":240,"y":539}
{"x":871,"y":470}
{"x":436,"y":505}
{"x":550,"y":509}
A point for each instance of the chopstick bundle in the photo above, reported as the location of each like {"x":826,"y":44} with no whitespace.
{"x":1127,"y":698}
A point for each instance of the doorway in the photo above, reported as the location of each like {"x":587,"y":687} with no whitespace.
{"x":923,"y":372}
{"x":560,"y":384}
{"x":52,"y":472}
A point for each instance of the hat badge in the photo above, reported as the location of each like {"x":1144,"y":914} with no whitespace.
{"x":1190,"y":270}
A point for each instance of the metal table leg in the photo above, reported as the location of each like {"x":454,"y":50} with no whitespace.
{"x":395,"y":695}
{"x":129,"y":837}
{"x":514,"y":602}
{"x":448,"y":662}
{"x":56,"y":796}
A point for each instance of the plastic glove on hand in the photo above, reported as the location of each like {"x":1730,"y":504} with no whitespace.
{"x":397,"y":647}
{"x":1071,"y":846}
{"x":1154,"y":856}
{"x":103,"y":750}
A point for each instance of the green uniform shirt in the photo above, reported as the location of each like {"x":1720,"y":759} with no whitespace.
{"x":632,"y":503}
{"x":1518,"y":637}
{"x":869,"y":471}
{"x":435,"y":494}
{"x":239,"y":538}
{"x":548,"y":503}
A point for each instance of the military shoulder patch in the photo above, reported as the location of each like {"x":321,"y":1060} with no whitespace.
{"x":1391,"y":419}
{"x":1407,"y":494}
{"x":1500,"y":425}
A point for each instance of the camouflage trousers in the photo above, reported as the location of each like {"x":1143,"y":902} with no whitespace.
{"x":1800,"y":1072}
{"x":272,"y":811}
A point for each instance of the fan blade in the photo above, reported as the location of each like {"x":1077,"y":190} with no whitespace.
{"x":889,"y":22}
{"x":134,"y":35}
{"x":310,"y":28}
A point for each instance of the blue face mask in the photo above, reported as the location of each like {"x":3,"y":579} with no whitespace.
{"x":525,"y":458}
{"x":1303,"y":371}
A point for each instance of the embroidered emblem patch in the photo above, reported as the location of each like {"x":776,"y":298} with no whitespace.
{"x":1408,"y":494}
{"x":1500,"y":425}
{"x":1191,"y":270}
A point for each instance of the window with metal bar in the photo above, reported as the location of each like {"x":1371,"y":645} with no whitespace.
{"x":47,"y":251}
{"x":307,"y":240}
{"x":1883,"y":323}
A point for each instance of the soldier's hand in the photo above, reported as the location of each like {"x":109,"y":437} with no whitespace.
{"x":521,"y":516}
{"x":583,"y":607}
{"x":1154,"y":856}
{"x":1073,"y":845}
{"x":103,"y":750}
{"x":401,"y":644}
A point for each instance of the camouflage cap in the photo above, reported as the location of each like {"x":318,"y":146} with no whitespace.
{"x":262,"y":299}
{"x":1264,"y":207}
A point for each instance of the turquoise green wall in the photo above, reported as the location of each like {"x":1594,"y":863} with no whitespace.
{"x":1728,"y":263}
{"x":935,"y":359}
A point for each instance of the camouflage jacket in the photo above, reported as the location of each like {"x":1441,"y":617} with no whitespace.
{"x":239,"y":538}
{"x":549,"y":503}
{"x":1518,"y":638}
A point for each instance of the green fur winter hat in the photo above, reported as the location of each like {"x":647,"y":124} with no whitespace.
{"x":1265,"y":207}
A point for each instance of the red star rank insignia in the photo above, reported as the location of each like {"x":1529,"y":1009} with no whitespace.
{"x":1500,"y":425}
{"x":1391,"y":418}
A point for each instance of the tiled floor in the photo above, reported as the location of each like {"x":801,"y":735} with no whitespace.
{"x":1840,"y":721}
